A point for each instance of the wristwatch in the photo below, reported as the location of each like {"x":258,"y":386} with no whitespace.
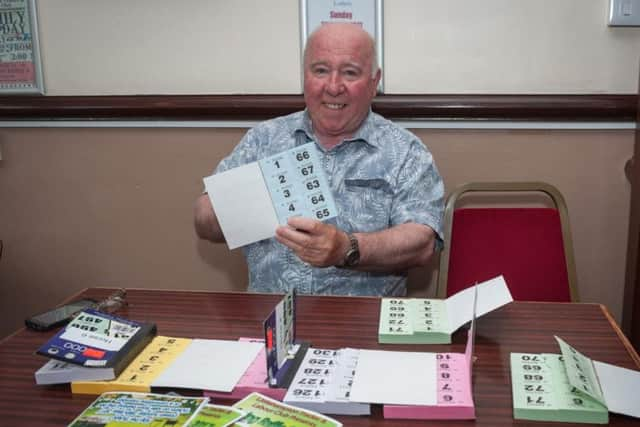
{"x":352,"y":257}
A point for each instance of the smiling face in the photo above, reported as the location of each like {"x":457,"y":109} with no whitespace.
{"x":339,"y":82}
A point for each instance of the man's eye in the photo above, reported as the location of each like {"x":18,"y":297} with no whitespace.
{"x":352,"y":74}
{"x":320,"y":71}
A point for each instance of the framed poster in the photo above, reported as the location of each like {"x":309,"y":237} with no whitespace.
{"x":20,"y":68}
{"x":367,"y":13}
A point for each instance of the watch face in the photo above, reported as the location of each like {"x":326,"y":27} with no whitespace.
{"x":352,"y":258}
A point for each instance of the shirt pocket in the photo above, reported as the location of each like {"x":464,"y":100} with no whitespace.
{"x":366,"y":205}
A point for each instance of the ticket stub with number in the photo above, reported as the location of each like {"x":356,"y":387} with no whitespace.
{"x":250,"y":201}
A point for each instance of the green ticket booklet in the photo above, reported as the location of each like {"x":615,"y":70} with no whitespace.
{"x":432,"y":321}
{"x":413,"y":321}
{"x":542,"y":392}
{"x":570,"y":387}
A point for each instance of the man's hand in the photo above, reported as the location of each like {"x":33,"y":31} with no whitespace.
{"x":314,"y":242}
{"x":205,"y":220}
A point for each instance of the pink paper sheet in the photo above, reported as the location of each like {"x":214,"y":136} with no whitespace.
{"x":455,"y":397}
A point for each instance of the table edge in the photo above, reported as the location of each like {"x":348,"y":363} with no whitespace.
{"x":625,"y":341}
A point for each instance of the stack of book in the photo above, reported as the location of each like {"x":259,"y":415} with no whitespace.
{"x":93,"y":346}
{"x":100,"y":352}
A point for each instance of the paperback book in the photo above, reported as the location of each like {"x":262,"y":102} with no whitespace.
{"x":99,"y":341}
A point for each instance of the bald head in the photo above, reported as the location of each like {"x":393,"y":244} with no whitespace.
{"x":340,"y":80}
{"x":335,"y":33}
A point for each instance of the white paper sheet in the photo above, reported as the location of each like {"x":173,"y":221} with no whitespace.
{"x":621,"y":388}
{"x":492,"y":294}
{"x":209,"y":365}
{"x":242,"y":204}
{"x":395,"y":377}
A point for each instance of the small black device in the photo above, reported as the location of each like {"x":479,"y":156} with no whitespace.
{"x":58,"y":316}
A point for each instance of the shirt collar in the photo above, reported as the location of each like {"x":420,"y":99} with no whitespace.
{"x":364,"y":133}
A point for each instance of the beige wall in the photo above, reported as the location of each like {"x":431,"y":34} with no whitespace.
{"x":112,"y":207}
{"x":83,"y":207}
{"x":94,"y":47}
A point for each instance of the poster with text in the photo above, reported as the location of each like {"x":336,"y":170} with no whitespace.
{"x":366,"y":13}
{"x":20,"y":68}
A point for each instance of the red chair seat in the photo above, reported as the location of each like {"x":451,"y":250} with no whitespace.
{"x":525,"y":245}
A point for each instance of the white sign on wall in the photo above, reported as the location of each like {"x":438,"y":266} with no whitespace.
{"x":20,"y":68}
{"x":367,"y":13}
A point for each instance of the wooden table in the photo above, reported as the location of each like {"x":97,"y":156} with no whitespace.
{"x":329,"y":322}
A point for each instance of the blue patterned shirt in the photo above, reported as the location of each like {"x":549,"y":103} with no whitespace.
{"x":383,"y":176}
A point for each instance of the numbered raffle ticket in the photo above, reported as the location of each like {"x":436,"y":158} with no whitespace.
{"x":250,"y":201}
{"x":413,"y":321}
{"x":323,"y":383}
{"x":297,"y":184}
{"x":417,"y":385}
{"x":181,"y":363}
{"x":432,"y":321}
{"x":453,"y":392}
{"x":570,"y":387}
{"x":141,"y":372}
{"x":542,"y":392}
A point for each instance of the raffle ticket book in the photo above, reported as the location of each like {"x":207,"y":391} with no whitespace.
{"x":323,"y":382}
{"x":432,"y":321}
{"x":169,"y":362}
{"x":570,"y":387}
{"x":419,"y":385}
{"x":250,"y":201}
{"x":161,"y":352}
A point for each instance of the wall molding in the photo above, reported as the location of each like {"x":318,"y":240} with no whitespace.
{"x":583,"y":108}
{"x":246,"y":124}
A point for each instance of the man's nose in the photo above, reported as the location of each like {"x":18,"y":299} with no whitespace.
{"x":335,"y":85}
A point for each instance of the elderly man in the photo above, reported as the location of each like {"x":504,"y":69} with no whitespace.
{"x":387,"y":189}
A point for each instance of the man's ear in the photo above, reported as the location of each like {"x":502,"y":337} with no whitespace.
{"x":376,"y":80}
